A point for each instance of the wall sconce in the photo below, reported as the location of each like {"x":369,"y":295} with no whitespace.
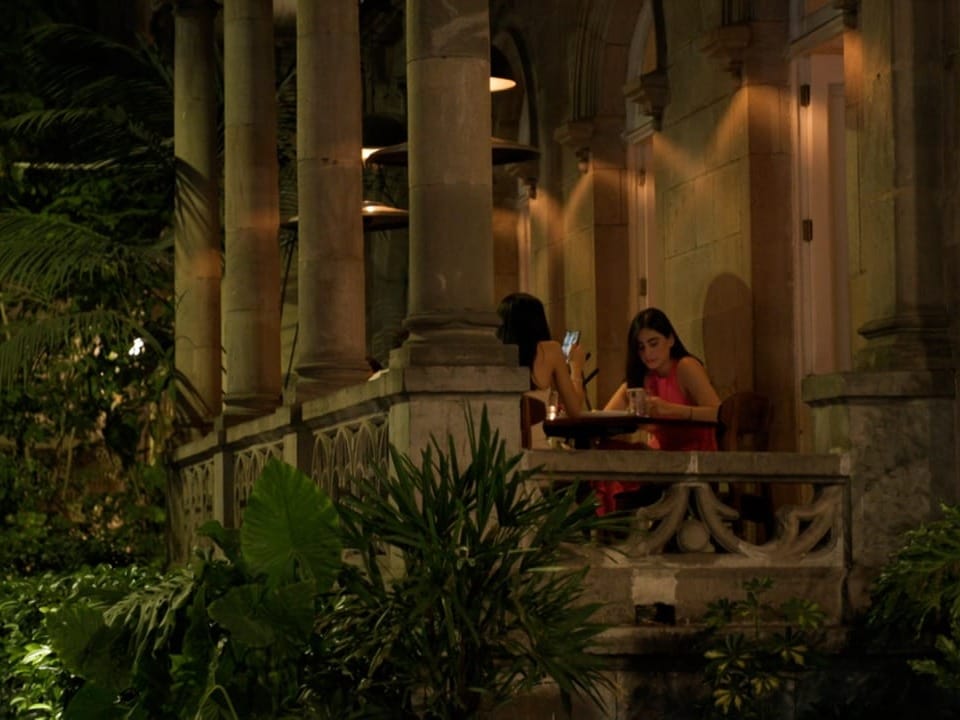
{"x":583,"y":160}
{"x":501,"y":74}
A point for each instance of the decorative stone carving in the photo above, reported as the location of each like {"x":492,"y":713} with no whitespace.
{"x":575,"y":134}
{"x":651,"y":92}
{"x":691,"y":514}
{"x":342,"y":453}
{"x":248,"y":464}
{"x":727,"y":44}
{"x":850,"y":9}
{"x":195,"y":505}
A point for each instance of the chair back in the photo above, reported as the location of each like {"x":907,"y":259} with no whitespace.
{"x":744,"y":422}
{"x":532,"y":411}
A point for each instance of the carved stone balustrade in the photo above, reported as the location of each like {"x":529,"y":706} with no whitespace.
{"x":685,"y":548}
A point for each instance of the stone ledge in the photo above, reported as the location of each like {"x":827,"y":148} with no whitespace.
{"x":867,"y":386}
{"x":704,"y":466}
{"x":682,"y":640}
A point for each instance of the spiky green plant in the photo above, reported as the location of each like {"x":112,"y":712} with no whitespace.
{"x":460,"y":599}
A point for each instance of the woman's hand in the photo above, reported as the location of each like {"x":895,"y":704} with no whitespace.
{"x":658,"y":407}
{"x":577,"y":357}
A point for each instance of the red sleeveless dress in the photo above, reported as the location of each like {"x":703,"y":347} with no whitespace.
{"x":672,"y":437}
{"x":665,"y":437}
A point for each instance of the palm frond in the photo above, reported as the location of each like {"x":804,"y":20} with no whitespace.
{"x":53,"y":49}
{"x":46,"y":254}
{"x":40,"y":122}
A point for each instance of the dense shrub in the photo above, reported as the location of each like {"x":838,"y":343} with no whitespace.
{"x":33,"y":682}
{"x":44,"y":526}
{"x":458,"y":600}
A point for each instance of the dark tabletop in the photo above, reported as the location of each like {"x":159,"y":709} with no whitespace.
{"x":583,"y":430}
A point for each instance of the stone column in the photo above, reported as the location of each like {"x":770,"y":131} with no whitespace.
{"x":330,"y":265}
{"x":895,"y":413}
{"x":251,"y":300}
{"x":897,"y":259}
{"x":451,"y":314}
{"x":452,"y":363}
{"x":197,"y":258}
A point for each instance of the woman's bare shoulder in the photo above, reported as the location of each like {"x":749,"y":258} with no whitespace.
{"x":553,"y":355}
{"x":689,"y":364}
{"x":695,"y":382}
{"x":549,"y":356}
{"x":549,"y":349}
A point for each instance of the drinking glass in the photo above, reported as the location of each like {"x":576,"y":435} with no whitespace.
{"x":553,"y":405}
{"x":637,"y":401}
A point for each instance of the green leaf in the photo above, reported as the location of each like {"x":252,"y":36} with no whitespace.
{"x":237,"y":612}
{"x":92,"y":703}
{"x":290,"y":528}
{"x":85,"y":645}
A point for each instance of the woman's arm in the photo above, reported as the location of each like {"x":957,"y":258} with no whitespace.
{"x":567,"y":381}
{"x":618,"y":401}
{"x":696,"y":384}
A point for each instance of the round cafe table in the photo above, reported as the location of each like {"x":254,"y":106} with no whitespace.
{"x":589,"y":428}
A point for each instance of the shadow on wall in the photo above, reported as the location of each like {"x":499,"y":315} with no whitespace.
{"x":728,"y":334}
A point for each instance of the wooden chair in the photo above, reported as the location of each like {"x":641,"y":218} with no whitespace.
{"x":532,"y":411}
{"x":744,"y":424}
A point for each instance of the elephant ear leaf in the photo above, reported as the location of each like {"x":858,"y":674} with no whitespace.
{"x":88,"y":647}
{"x":93,"y":703}
{"x":290,"y":529}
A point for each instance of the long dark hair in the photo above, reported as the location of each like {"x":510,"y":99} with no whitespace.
{"x":523,"y":322}
{"x":649,"y":319}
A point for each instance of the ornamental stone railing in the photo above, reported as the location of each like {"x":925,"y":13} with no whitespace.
{"x":686,"y":548}
{"x":693,"y":513}
{"x":333,"y":442}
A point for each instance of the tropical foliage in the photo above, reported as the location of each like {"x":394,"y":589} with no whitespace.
{"x":454,"y":599}
{"x":916,"y":599}
{"x":86,"y":190}
{"x":85,"y":265}
{"x":459,"y":599}
{"x":224,"y":637}
{"x":759,"y":652}
{"x":33,"y":681}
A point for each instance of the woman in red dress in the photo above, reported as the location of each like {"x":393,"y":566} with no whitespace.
{"x":677,"y":387}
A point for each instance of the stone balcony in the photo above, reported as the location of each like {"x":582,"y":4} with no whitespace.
{"x":688,"y":548}
{"x":684,"y":550}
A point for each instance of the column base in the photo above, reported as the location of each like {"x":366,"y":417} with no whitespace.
{"x":453,"y":346}
{"x":916,"y":341}
{"x":321,"y":379}
{"x":436,"y":401}
{"x":250,"y":405}
{"x":898,"y":428}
